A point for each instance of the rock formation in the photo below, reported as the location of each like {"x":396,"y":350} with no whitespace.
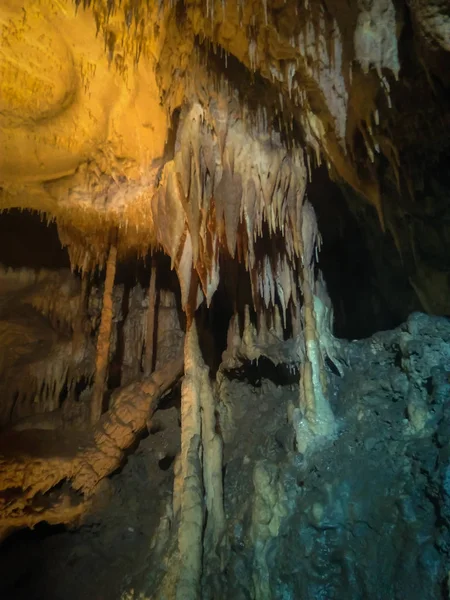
{"x":222,"y":180}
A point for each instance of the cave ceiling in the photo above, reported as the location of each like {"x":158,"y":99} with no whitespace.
{"x":212,"y":137}
{"x":195,"y":126}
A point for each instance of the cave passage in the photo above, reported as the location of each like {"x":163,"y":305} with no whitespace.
{"x":27,"y":240}
{"x":369,"y":290}
{"x":224,"y":300}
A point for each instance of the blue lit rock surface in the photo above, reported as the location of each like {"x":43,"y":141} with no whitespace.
{"x":366,"y":516}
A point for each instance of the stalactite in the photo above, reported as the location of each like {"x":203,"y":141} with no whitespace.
{"x":151,"y":316}
{"x":34,"y":384}
{"x":104,"y":335}
{"x":262,"y":342}
{"x":210,"y":198}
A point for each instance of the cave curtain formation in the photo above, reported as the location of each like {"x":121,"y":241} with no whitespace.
{"x":194,"y":128}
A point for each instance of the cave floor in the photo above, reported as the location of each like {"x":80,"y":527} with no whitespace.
{"x":364,"y":516}
{"x":111,"y":548}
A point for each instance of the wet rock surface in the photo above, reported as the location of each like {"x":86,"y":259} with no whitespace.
{"x":367,"y":515}
{"x":364,"y":516}
{"x":112,"y":548}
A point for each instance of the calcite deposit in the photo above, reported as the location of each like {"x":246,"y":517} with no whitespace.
{"x":202,"y":203}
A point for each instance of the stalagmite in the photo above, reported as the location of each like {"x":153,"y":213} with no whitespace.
{"x":192,"y":521}
{"x":212,"y":465}
{"x":104,"y":336}
{"x":315,"y":418}
{"x":151,"y":315}
{"x":255,"y":344}
{"x":201,"y":469}
{"x":206,"y":159}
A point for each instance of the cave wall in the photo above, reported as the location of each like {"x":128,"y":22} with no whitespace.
{"x":289,"y":159}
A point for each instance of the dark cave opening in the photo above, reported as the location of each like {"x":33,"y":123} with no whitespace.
{"x":132,"y":270}
{"x":212,"y":328}
{"x":26,"y":240}
{"x":350,"y":259}
{"x":22,"y":560}
{"x":166,"y":462}
{"x":254,"y":371}
{"x":231,"y":296}
{"x":40,"y":532}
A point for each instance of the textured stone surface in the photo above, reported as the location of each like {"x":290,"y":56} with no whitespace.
{"x":366,"y":516}
{"x":196,"y":128}
{"x":84,"y":128}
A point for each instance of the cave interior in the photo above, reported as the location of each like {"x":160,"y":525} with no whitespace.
{"x":225,"y":300}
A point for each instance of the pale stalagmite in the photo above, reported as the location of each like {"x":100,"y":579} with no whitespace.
{"x":258,"y":183}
